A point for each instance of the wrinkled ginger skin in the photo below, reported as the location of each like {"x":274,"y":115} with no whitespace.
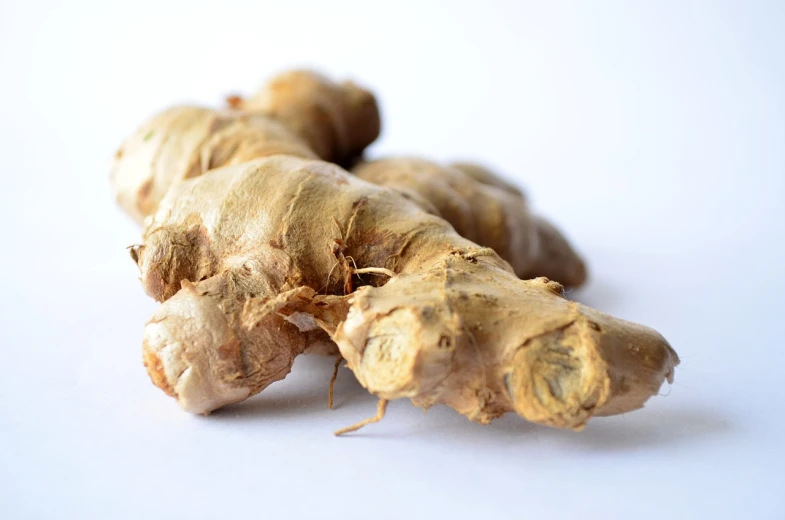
{"x":184,"y":142}
{"x":197,"y":348}
{"x":485,"y":344}
{"x":337,"y":120}
{"x":265,"y":248}
{"x":298,"y":113}
{"x":485,"y":213}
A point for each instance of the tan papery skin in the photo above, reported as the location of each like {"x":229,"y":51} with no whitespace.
{"x":336,"y":120}
{"x":300,"y":113}
{"x":482,"y":208}
{"x":184,"y":142}
{"x":256,"y":261}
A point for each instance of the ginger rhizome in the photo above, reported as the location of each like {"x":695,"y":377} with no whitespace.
{"x":185,"y":142}
{"x":259,"y":252}
{"x":337,"y":121}
{"x":297,"y":113}
{"x":484,"y":209}
{"x":254,"y":257}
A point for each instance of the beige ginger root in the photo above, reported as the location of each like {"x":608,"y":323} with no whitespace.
{"x":336,"y":120}
{"x":418,"y":312}
{"x":186,"y":142}
{"x":299,"y":109}
{"x":481,"y":205}
{"x":487,"y":212}
{"x":297,"y":113}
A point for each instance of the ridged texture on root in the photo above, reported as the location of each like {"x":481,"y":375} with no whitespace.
{"x":184,"y":142}
{"x":300,"y":108}
{"x":484,"y":209}
{"x":337,"y":120}
{"x":287,"y":247}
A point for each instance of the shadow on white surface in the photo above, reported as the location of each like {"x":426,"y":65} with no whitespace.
{"x":665,"y":422}
{"x":303,"y":392}
{"x":640,"y":429}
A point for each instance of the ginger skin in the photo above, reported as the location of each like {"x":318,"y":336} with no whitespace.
{"x":186,"y":142}
{"x":485,"y":212}
{"x":264,"y":247}
{"x":337,"y":121}
{"x":304,"y":114}
{"x":297,"y":113}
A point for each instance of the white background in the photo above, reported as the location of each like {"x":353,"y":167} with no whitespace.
{"x":652,"y":132}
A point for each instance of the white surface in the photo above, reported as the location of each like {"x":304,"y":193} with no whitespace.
{"x":652,"y":132}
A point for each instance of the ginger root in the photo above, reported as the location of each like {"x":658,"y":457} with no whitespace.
{"x":336,"y":120}
{"x":258,"y":253}
{"x":184,"y":142}
{"x":485,"y":211}
{"x":276,"y":249}
{"x":297,"y":113}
